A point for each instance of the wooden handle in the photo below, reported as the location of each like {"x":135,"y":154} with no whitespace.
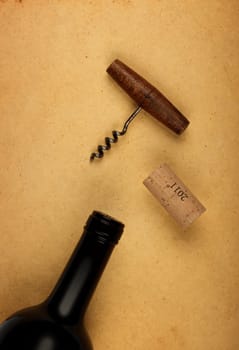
{"x":148,"y":97}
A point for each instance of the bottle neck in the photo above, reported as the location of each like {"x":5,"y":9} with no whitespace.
{"x":71,"y":296}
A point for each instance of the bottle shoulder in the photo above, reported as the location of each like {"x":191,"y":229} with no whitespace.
{"x":33,"y":329}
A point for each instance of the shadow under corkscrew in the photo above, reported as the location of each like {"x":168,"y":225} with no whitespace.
{"x":116,"y":134}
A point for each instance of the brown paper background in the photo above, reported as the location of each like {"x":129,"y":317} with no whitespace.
{"x":163,"y":288}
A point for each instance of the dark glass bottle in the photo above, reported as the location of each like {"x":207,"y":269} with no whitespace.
{"x":58,"y":322}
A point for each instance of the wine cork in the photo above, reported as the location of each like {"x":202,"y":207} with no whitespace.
{"x":174,"y":195}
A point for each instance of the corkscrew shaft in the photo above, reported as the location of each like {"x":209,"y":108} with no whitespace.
{"x":130,"y":119}
{"x":114,"y":139}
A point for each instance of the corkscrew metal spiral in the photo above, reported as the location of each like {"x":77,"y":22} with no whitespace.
{"x":148,"y":98}
{"x":115,"y":134}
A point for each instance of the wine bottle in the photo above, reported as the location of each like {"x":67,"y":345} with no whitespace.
{"x":58,"y":322}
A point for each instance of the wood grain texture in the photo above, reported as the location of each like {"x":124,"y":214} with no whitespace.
{"x":148,"y":97}
{"x":174,"y":195}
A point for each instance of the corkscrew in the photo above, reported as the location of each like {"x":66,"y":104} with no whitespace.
{"x":148,"y":98}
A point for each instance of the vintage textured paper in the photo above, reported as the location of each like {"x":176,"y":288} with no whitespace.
{"x":163,"y":288}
